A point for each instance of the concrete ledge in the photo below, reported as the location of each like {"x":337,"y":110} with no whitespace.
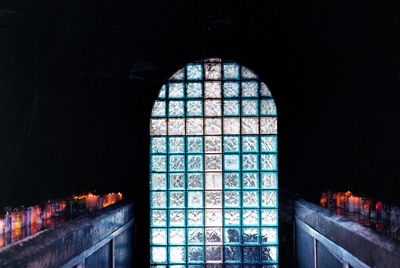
{"x":54,"y":247}
{"x":370,"y":247}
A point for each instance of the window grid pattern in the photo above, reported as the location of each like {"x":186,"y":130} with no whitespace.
{"x":214,"y":181}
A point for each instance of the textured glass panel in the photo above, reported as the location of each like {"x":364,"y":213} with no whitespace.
{"x":264,"y":91}
{"x":159,"y":199}
{"x":249,"y":89}
{"x":177,"y":254}
{"x":231,"y":162}
{"x":232,"y":235}
{"x":250,"y":217}
{"x":175,"y":90}
{"x":179,"y":75}
{"x":268,"y":125}
{"x":269,"y":199}
{"x":176,"y":217}
{"x":231,"y":144}
{"x":195,"y":199}
{"x":232,"y":126}
{"x":214,"y":253}
{"x":251,"y":254}
{"x":250,"y":199}
{"x":250,"y":125}
{"x":194,"y":71}
{"x":269,"y":162}
{"x":250,"y":107}
{"x":250,"y":180}
{"x":195,"y":181}
{"x":195,"y":236}
{"x":269,"y":235}
{"x":176,"y":144}
{"x":158,"y":181}
{"x":158,"y":145}
{"x":231,"y":107}
{"x":213,"y":180}
{"x":250,"y":162}
{"x":232,"y":180}
{"x":212,"y":89}
{"x":158,"y":127}
{"x":159,"y":236}
{"x":212,"y":126}
{"x":177,"y":199}
{"x":250,"y":144}
{"x":231,"y":71}
{"x":247,"y":73}
{"x":158,"y":109}
{"x":176,"y":163}
{"x":269,"y":180}
{"x":232,"y":253}
{"x":159,"y":218}
{"x":195,"y":254}
{"x":269,"y":216}
{"x":270,"y":254}
{"x":213,"y":236}
{"x":194,"y":126}
{"x":213,"y":199}
{"x":195,"y":217}
{"x":176,"y":181}
{"x":194,"y":145}
{"x":267,"y":107}
{"x":195,"y":163}
{"x":194,"y":108}
{"x":176,"y":236}
{"x":269,"y":143}
{"x":194,"y":90}
{"x":162,"y":95}
{"x":231,"y":89}
{"x":176,"y":108}
{"x":212,"y":71}
{"x":213,"y":144}
{"x":176,"y":126}
{"x":212,"y":107}
{"x":158,"y":163}
{"x":213,"y":217}
{"x":159,"y":254}
{"x":232,"y":199}
{"x":213,"y":162}
{"x":232,"y":217}
{"x":250,"y":235}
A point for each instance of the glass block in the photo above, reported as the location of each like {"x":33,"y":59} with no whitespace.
{"x":250,"y":162}
{"x":212,"y":126}
{"x":158,"y":127}
{"x":232,"y":254}
{"x":268,"y":125}
{"x":158,"y":163}
{"x":213,"y":217}
{"x":179,"y":75}
{"x":158,"y":218}
{"x":195,"y":199}
{"x":176,"y":181}
{"x":251,"y":254}
{"x":232,"y":199}
{"x":177,"y":254}
{"x":212,"y":107}
{"x":267,"y":107}
{"x":158,"y":236}
{"x":176,"y":144}
{"x":195,"y":236}
{"x":214,"y":253}
{"x":195,"y":254}
{"x":269,"y":217}
{"x":232,"y":126}
{"x":212,"y":71}
{"x":231,"y":144}
{"x":213,"y":181}
{"x":269,"y":198}
{"x":231,"y":107}
{"x":232,"y":217}
{"x":250,"y":125}
{"x":231,"y":162}
{"x":250,"y":235}
{"x":250,"y":144}
{"x":269,"y":180}
{"x":250,"y":107}
{"x":195,"y":181}
{"x":177,"y":163}
{"x":194,"y":108}
{"x":159,"y":199}
{"x":194,"y":126}
{"x":176,"y":126}
{"x":212,"y":90}
{"x":232,"y":235}
{"x":250,"y":180}
{"x":269,"y":254}
{"x":269,"y":235}
{"x":176,"y":218}
{"x":194,"y":145}
{"x":213,"y":162}
{"x":158,"y":181}
{"x":158,"y":109}
{"x":213,"y":236}
{"x":175,"y":90}
{"x":250,"y":199}
{"x":194,"y":90}
{"x":269,"y":162}
{"x":213,"y":144}
{"x":248,"y":74}
{"x":249,"y":89}
{"x":158,"y":145}
{"x":269,"y":143}
{"x":194,"y":71}
{"x":264,"y":91}
{"x":176,"y":199}
{"x":250,"y":217}
{"x":195,"y":162}
{"x":161,"y":95}
{"x":195,"y":217}
{"x":158,"y":254}
{"x":231,"y":89}
{"x":232,"y":180}
{"x":176,"y":236}
{"x":213,"y":199}
{"x":231,"y":71}
{"x":176,"y":109}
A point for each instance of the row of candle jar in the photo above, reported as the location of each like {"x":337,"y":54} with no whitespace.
{"x":93,"y":202}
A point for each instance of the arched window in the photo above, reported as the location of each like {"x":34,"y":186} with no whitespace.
{"x":214,"y":183}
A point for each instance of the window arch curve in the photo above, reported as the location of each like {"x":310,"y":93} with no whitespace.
{"x":213,"y":170}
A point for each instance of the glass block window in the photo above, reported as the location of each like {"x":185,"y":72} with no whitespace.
{"x":213,"y":170}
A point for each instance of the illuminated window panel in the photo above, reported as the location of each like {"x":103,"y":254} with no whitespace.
{"x":214,"y":169}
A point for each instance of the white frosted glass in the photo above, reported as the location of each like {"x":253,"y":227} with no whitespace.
{"x":159,"y":254}
{"x":212,"y":71}
{"x":231,"y":107}
{"x":212,"y":107}
{"x":231,"y":89}
{"x":194,"y":126}
{"x":268,"y":125}
{"x":213,"y":162}
{"x":250,"y":217}
{"x":159,"y":236}
{"x":264,"y":91}
{"x":194,"y":71}
{"x":267,"y":107}
{"x":213,"y":199}
{"x":269,"y":162}
{"x":232,"y":126}
{"x":250,"y":107}
{"x":250,"y":199}
{"x":213,"y":180}
{"x":176,"y":108}
{"x":179,"y":75}
{"x":269,"y":199}
{"x":158,"y":181}
{"x":231,"y":162}
{"x":158,"y":108}
{"x":159,"y":218}
{"x":175,"y":90}
{"x":249,"y":125}
{"x":212,"y":89}
{"x":247,"y":73}
{"x":213,"y":144}
{"x":177,"y":236}
{"x":177,"y":254}
{"x":194,"y":108}
{"x":195,"y":199}
{"x":176,"y":126}
{"x":213,"y":236}
{"x":249,"y":89}
{"x":231,"y":71}
{"x":212,"y":126}
{"x":269,"y":235}
{"x":269,"y":180}
{"x":158,"y":127}
{"x":194,"y":90}
{"x":213,"y":217}
{"x":269,"y":216}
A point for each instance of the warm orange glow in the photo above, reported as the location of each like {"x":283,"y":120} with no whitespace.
{"x":348,"y":193}
{"x":378,"y":206}
{"x":1,"y":226}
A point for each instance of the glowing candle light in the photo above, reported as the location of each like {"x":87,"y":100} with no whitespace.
{"x":91,"y":201}
{"x":1,"y":226}
{"x":324,"y":200}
